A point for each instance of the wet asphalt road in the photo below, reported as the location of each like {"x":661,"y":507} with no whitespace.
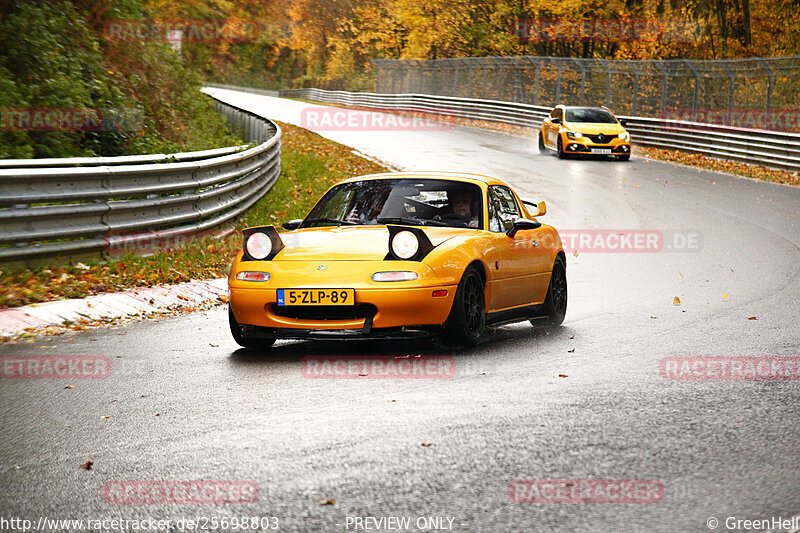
{"x":183,"y":403}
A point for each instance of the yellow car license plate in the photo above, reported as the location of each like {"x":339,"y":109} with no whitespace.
{"x":316,"y":296}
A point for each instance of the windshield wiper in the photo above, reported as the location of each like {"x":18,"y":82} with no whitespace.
{"x":409,"y":221}
{"x":330,"y":220}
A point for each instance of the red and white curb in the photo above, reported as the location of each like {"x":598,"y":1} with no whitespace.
{"x":133,"y":302}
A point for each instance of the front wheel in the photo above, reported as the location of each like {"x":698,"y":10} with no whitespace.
{"x":560,"y":148}
{"x":237,"y":330}
{"x":467,"y":320}
{"x":555,"y":303}
{"x":625,"y":157}
{"x":542,"y":147}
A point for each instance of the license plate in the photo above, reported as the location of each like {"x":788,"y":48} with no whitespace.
{"x":316,"y":296}
{"x":601,"y":151}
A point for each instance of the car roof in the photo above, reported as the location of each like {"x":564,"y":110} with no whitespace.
{"x":451,"y":176}
{"x":601,"y":107}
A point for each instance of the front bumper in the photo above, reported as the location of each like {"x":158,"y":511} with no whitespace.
{"x":585,"y":146}
{"x":365,"y":333}
{"x":375,"y":310}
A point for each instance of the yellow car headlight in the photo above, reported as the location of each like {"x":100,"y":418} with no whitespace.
{"x":625,"y":136}
{"x":258,"y":245}
{"x":405,"y":244}
{"x":574,"y":135}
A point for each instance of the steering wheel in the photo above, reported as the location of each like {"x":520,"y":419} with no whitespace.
{"x":451,"y":217}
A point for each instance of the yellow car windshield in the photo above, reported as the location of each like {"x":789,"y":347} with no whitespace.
{"x":590,"y":115}
{"x":419,"y":202}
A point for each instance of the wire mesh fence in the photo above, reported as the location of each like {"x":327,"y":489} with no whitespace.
{"x":762,"y":93}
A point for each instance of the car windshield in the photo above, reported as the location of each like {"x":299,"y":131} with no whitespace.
{"x":589,"y":114}
{"x":418,"y":202}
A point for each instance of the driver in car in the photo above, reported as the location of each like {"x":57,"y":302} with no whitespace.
{"x":368,"y":214}
{"x":461,"y":202}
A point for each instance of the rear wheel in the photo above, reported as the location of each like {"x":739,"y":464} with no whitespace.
{"x":560,"y":148}
{"x":555,"y":304}
{"x":467,"y":320}
{"x":542,"y":147}
{"x":237,"y":330}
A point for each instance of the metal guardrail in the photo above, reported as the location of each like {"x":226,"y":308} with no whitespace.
{"x":768,"y":148}
{"x":72,"y":206}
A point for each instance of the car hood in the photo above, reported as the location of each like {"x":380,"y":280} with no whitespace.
{"x":593,"y":129}
{"x":349,"y":243}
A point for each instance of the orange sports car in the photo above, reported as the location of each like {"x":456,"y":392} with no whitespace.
{"x":399,"y":255}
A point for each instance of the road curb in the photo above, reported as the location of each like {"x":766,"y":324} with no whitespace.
{"x":129,"y":303}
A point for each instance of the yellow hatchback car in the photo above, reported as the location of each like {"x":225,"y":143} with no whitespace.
{"x":399,"y":255}
{"x":584,"y":131}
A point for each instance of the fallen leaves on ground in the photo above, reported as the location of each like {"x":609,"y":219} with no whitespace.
{"x":676,"y":301}
{"x":87,"y":465}
{"x":722,"y":165}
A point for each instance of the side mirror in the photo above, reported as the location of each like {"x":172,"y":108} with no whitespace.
{"x":555,"y":121}
{"x":292,"y":224}
{"x":522,"y":224}
{"x":541,"y":209}
{"x":622,"y":123}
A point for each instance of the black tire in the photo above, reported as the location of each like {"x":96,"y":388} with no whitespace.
{"x":560,"y":149}
{"x":237,"y":330}
{"x":555,"y":303}
{"x":625,"y":157}
{"x":542,"y":147}
{"x":467,"y":321}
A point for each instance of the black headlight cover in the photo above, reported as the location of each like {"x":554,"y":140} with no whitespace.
{"x":425,"y":244}
{"x":269,"y":231}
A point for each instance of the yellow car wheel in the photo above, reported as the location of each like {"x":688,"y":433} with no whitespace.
{"x":542,"y":147}
{"x":467,"y":320}
{"x":238,"y":331}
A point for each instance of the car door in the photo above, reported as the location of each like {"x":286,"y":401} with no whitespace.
{"x":556,"y":119}
{"x":522,"y":261}
{"x":546,"y":125}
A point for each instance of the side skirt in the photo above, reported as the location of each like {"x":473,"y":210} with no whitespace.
{"x":517,"y":314}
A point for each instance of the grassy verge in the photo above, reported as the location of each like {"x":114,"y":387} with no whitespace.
{"x":310,"y":164}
